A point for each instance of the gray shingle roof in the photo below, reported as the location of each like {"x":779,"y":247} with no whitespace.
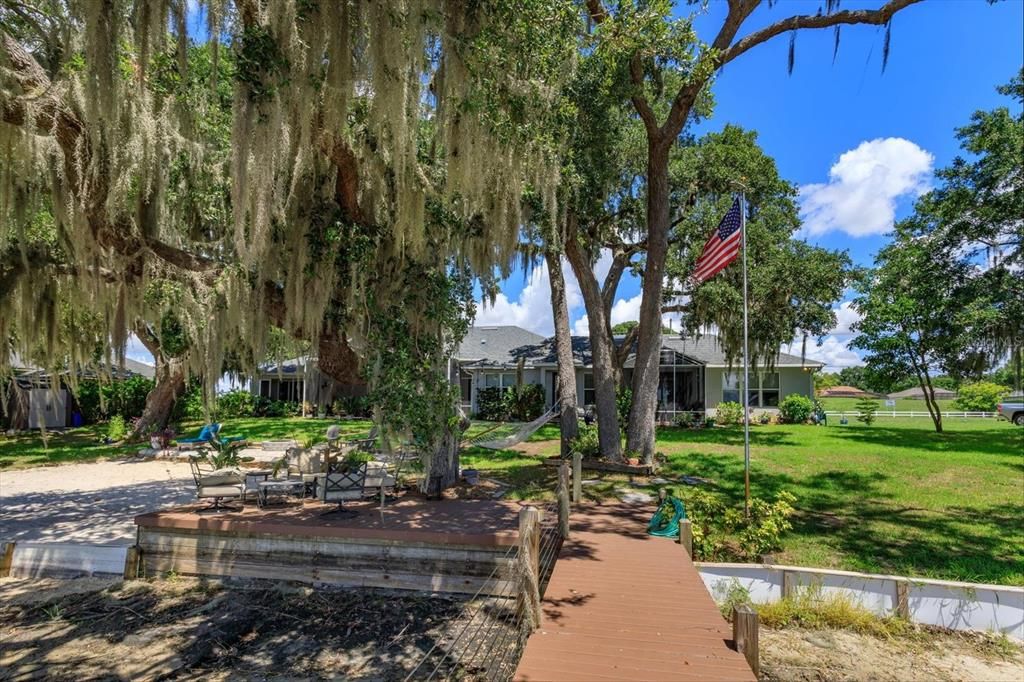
{"x":504,"y":345}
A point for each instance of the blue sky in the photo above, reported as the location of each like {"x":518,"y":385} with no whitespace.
{"x":860,"y":143}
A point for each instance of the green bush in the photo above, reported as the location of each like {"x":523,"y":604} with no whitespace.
{"x":490,"y":404}
{"x":866,"y":408}
{"x":101,"y":400}
{"x":586,"y":443}
{"x":623,"y":405}
{"x":981,"y":396}
{"x":237,"y":403}
{"x":684,"y":420}
{"x":729,"y":412}
{"x":721,"y":533}
{"x":796,"y":408}
{"x":524,"y":403}
{"x":117,"y":429}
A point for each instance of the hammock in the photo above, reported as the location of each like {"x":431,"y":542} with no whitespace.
{"x":505,"y":436}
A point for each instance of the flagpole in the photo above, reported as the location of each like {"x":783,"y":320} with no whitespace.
{"x":746,"y":363}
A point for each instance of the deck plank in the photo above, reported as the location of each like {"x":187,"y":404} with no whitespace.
{"x":623,"y":605}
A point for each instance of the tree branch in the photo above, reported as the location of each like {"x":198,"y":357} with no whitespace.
{"x":861,"y":16}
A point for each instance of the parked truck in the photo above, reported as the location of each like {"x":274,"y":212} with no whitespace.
{"x":1012,"y":408}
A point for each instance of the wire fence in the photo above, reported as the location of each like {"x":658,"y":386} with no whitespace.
{"x":485,"y":643}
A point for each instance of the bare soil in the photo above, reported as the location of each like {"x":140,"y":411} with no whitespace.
{"x":799,"y":655}
{"x":184,"y":628}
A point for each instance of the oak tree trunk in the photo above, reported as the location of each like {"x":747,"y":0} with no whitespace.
{"x":169,"y":386}
{"x":602,"y":350}
{"x":563,"y":351}
{"x":441,"y":466}
{"x":640,"y":430}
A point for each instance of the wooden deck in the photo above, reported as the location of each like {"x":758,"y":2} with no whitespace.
{"x":622,"y":605}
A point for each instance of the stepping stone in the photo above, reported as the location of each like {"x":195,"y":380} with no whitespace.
{"x":660,"y":481}
{"x":590,"y":481}
{"x":635,"y":498}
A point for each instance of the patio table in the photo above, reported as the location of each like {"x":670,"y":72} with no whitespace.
{"x":254,"y":474}
{"x":283,"y":489}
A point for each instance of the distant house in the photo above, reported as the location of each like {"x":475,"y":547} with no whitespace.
{"x":33,"y":402}
{"x":917,"y":393}
{"x":299,"y":380}
{"x":695,"y":374}
{"x":845,"y":392}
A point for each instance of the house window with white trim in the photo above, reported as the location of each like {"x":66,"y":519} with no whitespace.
{"x":764,"y":388}
{"x":502,"y":381}
{"x":589,"y":395}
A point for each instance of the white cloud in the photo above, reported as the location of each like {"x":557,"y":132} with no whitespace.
{"x":832,"y":351}
{"x":846,"y":317}
{"x":863,"y":188}
{"x":625,"y":310}
{"x":532,"y":307}
{"x":136,"y":351}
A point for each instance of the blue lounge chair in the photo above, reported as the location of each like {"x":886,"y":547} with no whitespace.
{"x":206,"y":434}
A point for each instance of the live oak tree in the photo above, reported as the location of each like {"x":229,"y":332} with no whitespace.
{"x":373,"y":147}
{"x":661,"y":68}
{"x":947,"y":295}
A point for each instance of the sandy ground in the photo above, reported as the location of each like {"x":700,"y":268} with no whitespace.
{"x":796,"y":655}
{"x":88,"y":503}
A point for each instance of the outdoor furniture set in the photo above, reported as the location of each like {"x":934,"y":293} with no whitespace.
{"x":320,"y":473}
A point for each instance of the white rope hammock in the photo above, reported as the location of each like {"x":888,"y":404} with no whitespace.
{"x":514,"y":433}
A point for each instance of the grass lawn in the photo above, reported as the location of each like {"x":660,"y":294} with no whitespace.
{"x":894,"y":497}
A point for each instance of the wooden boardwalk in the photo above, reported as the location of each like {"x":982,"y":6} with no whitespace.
{"x":622,"y":605}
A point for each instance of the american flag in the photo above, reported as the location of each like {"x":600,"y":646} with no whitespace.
{"x":722,"y":247}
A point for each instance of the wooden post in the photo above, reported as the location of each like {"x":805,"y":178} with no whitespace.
{"x":563,"y":500}
{"x":6,"y":559}
{"x":577,"y":477}
{"x":902,"y":599}
{"x":745,"y":623}
{"x":529,"y":565}
{"x":788,"y":588}
{"x":131,"y":563}
{"x":686,"y":536}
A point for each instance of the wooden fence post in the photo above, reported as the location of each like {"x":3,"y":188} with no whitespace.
{"x":902,"y":599}
{"x":131,"y":563}
{"x":577,"y":477}
{"x":563,"y":499}
{"x":788,"y":588}
{"x":529,"y":565}
{"x":6,"y":559}
{"x":686,"y":536}
{"x":745,"y":623}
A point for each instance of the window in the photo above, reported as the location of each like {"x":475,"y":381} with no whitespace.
{"x":588,"y":389}
{"x":764,"y":388}
{"x":731,"y":387}
{"x":502,"y":381}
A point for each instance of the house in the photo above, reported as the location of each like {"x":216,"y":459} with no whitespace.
{"x":299,"y":380}
{"x":33,"y":402}
{"x":845,"y":392}
{"x":695,"y":374}
{"x":917,"y":393}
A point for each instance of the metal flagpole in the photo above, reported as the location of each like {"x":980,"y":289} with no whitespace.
{"x":746,"y":364}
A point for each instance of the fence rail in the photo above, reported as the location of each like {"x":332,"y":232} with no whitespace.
{"x":914,"y":413}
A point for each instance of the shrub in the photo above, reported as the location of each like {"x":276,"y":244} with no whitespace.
{"x":796,"y":408}
{"x":117,"y":429}
{"x":490,"y":404}
{"x":190,"y":405}
{"x":713,"y":524}
{"x":729,"y":413}
{"x":237,"y":403}
{"x":866,"y":408}
{"x":623,"y":404}
{"x":981,"y":396}
{"x":684,"y":420}
{"x":586,"y":443}
{"x":125,"y":397}
{"x":525,"y":402}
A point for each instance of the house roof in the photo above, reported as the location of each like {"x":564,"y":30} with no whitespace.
{"x":290,"y":366}
{"x":28,"y":371}
{"x":503,"y":346}
{"x":918,"y":392}
{"x":841,"y":391}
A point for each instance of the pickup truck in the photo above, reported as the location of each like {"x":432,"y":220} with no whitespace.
{"x":1012,"y":409}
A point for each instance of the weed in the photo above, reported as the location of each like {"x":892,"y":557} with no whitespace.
{"x":53,"y":611}
{"x":810,"y":608}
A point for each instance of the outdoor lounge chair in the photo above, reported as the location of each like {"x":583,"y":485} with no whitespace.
{"x":206,"y":434}
{"x":216,"y":485}
{"x":348,"y":485}
{"x":379,"y":482}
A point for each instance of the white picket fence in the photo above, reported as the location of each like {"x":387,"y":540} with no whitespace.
{"x":915,"y":413}
{"x":943,"y":603}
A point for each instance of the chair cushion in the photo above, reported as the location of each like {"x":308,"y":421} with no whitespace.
{"x":220,"y":491}
{"x":229,"y":476}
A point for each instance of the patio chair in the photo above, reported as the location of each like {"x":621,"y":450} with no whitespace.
{"x":216,"y":485}
{"x":379,"y":482}
{"x":348,"y":485}
{"x":205,"y":436}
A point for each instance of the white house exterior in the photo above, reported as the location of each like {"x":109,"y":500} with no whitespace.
{"x":695,"y":374}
